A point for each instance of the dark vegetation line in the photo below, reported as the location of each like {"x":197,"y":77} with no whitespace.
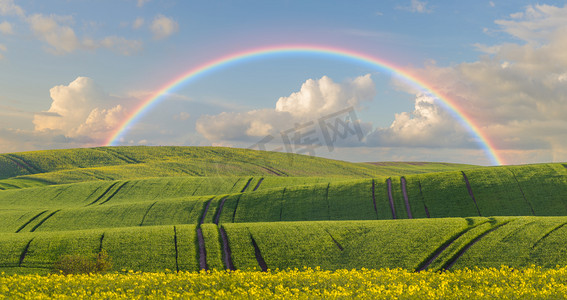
{"x":202,"y":219}
{"x":374,"y":197}
{"x":258,"y":255}
{"x":100,"y":243}
{"x":227,"y":255}
{"x":147,"y":211}
{"x":564,"y":165}
{"x":120,"y":156}
{"x":103,"y":194}
{"x":219,"y":211}
{"x":521,"y":190}
{"x":114,"y":193}
{"x":335,"y":241}
{"x":282,"y":203}
{"x":235,"y":208}
{"x":24,"y":252}
{"x":471,"y":192}
{"x":449,"y":264}
{"x":236,"y":182}
{"x":92,"y":193}
{"x":22,"y":164}
{"x":44,"y":219}
{"x":176,"y":251}
{"x":327,"y":200}
{"x":433,"y":256}
{"x":423,"y":199}
{"x":246,"y":185}
{"x":198,"y":186}
{"x":391,"y":198}
{"x":202,"y":251}
{"x":406,"y":199}
{"x":1,"y":188}
{"x":30,"y":220}
{"x":548,"y":234}
{"x":258,"y":184}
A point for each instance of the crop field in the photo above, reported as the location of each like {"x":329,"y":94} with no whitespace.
{"x":204,"y":208}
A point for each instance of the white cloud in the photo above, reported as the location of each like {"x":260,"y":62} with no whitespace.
{"x":7,"y":7}
{"x":138,"y":23}
{"x":536,"y":24}
{"x":417,"y":7}
{"x":163,"y":27}
{"x":142,"y":2}
{"x":80,"y":109}
{"x":6,"y":28}
{"x":48,"y":28}
{"x":316,"y":98}
{"x":491,"y":3}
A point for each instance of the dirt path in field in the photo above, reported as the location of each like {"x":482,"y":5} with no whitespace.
{"x":221,"y":205}
{"x":374,"y":197}
{"x":176,"y":249}
{"x":100,"y":243}
{"x":471,"y":192}
{"x":258,"y":255}
{"x":521,"y":190}
{"x":423,"y":199}
{"x":227,"y":254}
{"x":258,"y":184}
{"x":30,"y":220}
{"x":24,"y":252}
{"x":204,"y":215}
{"x":406,"y":199}
{"x":391,"y":198}
{"x":44,"y":219}
{"x":202,"y":250}
{"x":449,"y":264}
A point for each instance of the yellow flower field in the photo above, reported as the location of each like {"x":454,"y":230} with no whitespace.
{"x":503,"y":283}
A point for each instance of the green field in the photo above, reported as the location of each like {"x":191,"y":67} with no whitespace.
{"x":192,"y":208}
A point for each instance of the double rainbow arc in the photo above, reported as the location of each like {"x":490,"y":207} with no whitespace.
{"x":194,"y":73}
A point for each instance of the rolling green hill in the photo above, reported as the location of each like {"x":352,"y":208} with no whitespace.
{"x":190,"y":208}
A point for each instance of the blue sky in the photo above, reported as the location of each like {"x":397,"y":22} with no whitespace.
{"x":72,"y":70}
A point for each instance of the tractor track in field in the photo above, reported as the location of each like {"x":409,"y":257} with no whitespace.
{"x":30,"y":220}
{"x":406,"y":199}
{"x":43,"y":220}
{"x":258,"y":184}
{"x":470,"y":191}
{"x":146,"y":214}
{"x":258,"y":254}
{"x":246,"y":185}
{"x":540,"y":240}
{"x":197,"y":188}
{"x":227,"y":254}
{"x":202,"y":249}
{"x":236,"y":207}
{"x":176,"y":249}
{"x":114,"y":193}
{"x":433,"y":256}
{"x":100,"y":243}
{"x":21,"y":163}
{"x":205,"y":211}
{"x":391,"y":198}
{"x":374,"y":197}
{"x":335,"y":241}
{"x":521,"y":190}
{"x":121,"y":156}
{"x":219,"y":211}
{"x":449,"y":264}
{"x":25,"y":252}
{"x":103,"y":193}
{"x":423,"y":199}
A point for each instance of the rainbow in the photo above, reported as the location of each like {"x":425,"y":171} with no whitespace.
{"x":225,"y":61}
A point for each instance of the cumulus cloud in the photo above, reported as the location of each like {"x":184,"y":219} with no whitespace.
{"x":316,"y":98}
{"x":538,"y":23}
{"x":80,"y":110}
{"x":163,"y":27}
{"x":7,"y":7}
{"x":6,"y":28}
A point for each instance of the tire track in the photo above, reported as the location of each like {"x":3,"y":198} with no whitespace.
{"x":103,"y":194}
{"x":44,"y":219}
{"x":202,"y":250}
{"x":258,"y":184}
{"x":227,"y":254}
{"x":246,"y":185}
{"x":147,"y":211}
{"x":374,"y":197}
{"x":521,"y":190}
{"x":548,"y":234}
{"x":176,"y":249}
{"x":335,"y":241}
{"x":24,"y":253}
{"x":30,"y":220}
{"x":204,"y":215}
{"x":219,"y":211}
{"x":258,"y":255}
{"x":423,"y":199}
{"x":470,"y":192}
{"x":114,"y":193}
{"x":100,"y":243}
{"x":120,"y":156}
{"x":449,"y":264}
{"x":22,"y":164}
{"x":236,"y":207}
{"x":406,"y":199}
{"x":391,"y":198}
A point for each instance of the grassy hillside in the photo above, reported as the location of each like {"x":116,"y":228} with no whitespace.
{"x":191,"y":208}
